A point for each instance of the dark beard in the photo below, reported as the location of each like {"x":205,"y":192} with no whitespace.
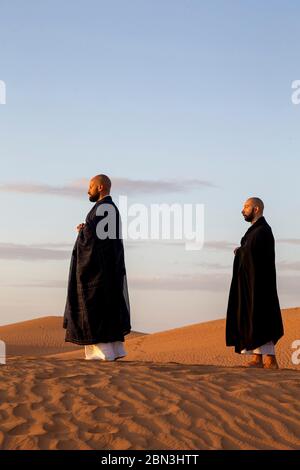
{"x":94,"y":198}
{"x":249,"y":217}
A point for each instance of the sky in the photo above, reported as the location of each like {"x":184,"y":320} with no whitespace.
{"x":177,"y":101}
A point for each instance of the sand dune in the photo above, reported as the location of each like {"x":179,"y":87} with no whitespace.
{"x":204,"y":343}
{"x":179,"y":389}
{"x":40,"y":337}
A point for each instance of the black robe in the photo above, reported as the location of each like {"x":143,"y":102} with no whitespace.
{"x":97,"y":307}
{"x":253,"y":314}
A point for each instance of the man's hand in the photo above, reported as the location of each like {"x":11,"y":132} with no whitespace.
{"x":79,"y":227}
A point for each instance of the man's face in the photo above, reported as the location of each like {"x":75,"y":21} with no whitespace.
{"x":93,"y":192}
{"x":249,"y":211}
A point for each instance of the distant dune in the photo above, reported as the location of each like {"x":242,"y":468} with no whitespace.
{"x":202,"y":343}
{"x":39,"y":337}
{"x":178,"y":389}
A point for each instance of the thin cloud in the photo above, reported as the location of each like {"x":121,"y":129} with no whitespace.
{"x":210,"y":282}
{"x":288,"y":266}
{"x":219,"y":245}
{"x":14,"y":251}
{"x":202,"y":282}
{"x":78,"y":188}
{"x":288,"y":285}
{"x":62,"y":251}
{"x":52,"y":284}
{"x":54,"y":245}
{"x":289,"y":241}
{"x":215,"y":266}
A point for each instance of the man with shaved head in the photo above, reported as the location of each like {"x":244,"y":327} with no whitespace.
{"x":254,"y":323}
{"x":97,"y":313}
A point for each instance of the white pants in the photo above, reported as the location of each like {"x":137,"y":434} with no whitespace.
{"x":267,"y":348}
{"x":105,"y":351}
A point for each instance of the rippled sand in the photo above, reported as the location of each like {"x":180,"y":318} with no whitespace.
{"x":180,"y":389}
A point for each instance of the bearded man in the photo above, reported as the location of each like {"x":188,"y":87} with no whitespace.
{"x":254,"y":323}
{"x":97,"y":312}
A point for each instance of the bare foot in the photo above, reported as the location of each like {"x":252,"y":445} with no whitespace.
{"x":256,"y":361}
{"x":271,"y":362}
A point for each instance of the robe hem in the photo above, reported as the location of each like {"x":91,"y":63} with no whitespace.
{"x":92,"y":341}
{"x":238,"y":348}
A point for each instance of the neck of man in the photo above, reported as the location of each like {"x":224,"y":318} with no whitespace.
{"x":102,"y":196}
{"x":256,"y":219}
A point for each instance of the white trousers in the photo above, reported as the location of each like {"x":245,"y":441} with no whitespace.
{"x":267,"y":348}
{"x":105,"y":351}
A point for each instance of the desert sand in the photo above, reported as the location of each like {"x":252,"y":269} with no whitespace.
{"x":178,"y":389}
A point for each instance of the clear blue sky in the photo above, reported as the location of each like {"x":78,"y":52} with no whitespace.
{"x":147,"y":90}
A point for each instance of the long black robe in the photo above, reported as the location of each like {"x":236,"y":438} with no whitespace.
{"x":97,"y":307}
{"x":253,"y":313}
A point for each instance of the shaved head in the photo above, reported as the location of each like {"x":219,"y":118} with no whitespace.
{"x":102,"y":180}
{"x":255,"y":201}
{"x":99,"y":187}
{"x":253,"y":209}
